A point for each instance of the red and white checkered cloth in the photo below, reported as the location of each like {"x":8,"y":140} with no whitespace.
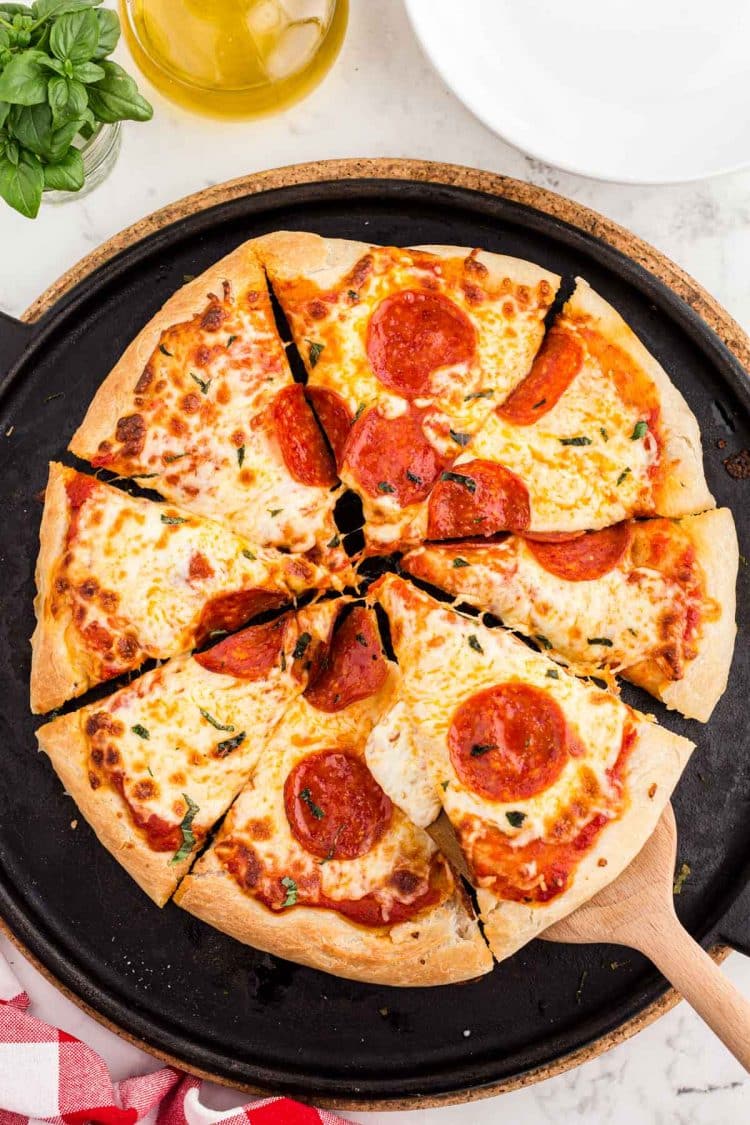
{"x":48,"y":1075}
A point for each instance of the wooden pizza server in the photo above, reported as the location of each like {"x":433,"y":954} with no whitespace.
{"x":637,"y":910}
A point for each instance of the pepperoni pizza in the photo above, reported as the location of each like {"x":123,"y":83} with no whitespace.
{"x":121,"y":579}
{"x":154,"y":766}
{"x":651,"y":599}
{"x":538,"y":465}
{"x":594,"y":434}
{"x":551,"y":784}
{"x":407,"y":351}
{"x":316,"y":864}
{"x":202,"y":407}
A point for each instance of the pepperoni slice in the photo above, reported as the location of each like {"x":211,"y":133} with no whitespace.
{"x":79,"y":488}
{"x":249,"y":655}
{"x":355,"y":666}
{"x":478,"y":498}
{"x":510,"y":742}
{"x":227,"y":612}
{"x":413,"y":333}
{"x":552,"y":536}
{"x":392,"y":456}
{"x":586,"y":558}
{"x":334,"y":416}
{"x":556,"y":365}
{"x":335,"y":807}
{"x":303,"y":447}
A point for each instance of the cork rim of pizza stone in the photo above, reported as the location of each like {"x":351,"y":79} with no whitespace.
{"x":452,"y":175}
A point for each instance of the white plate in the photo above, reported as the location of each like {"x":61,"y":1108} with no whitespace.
{"x":638,"y":91}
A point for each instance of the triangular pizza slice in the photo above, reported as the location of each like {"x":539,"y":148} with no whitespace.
{"x":653,"y":600}
{"x":154,"y":766}
{"x":202,"y":407}
{"x":551,"y":784}
{"x":406,"y":351}
{"x":596,"y":433}
{"x":314,"y":862}
{"x":121,"y":580}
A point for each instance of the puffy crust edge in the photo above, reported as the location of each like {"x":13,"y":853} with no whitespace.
{"x":241,"y":268}
{"x":697,"y":693}
{"x":290,"y":255}
{"x":682,"y":489}
{"x":449,"y":947}
{"x":64,"y":742}
{"x":658,"y":758}
{"x":519,"y":270}
{"x":55,"y":676}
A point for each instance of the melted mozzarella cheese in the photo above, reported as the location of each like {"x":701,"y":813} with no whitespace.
{"x":399,"y":765}
{"x":304,"y":731}
{"x":442,"y":668}
{"x":123,"y":543}
{"x":575,"y":487}
{"x":624,"y":606}
{"x":186,"y":712}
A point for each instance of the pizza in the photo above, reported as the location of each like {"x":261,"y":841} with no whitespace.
{"x":653,"y":600}
{"x":315,"y":863}
{"x":594,"y":434}
{"x":407,"y":351}
{"x":202,"y":408}
{"x":552,"y":785}
{"x":155,"y":765}
{"x":286,"y":770}
{"x":122,"y":579}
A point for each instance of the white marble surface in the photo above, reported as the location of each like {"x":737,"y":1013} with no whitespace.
{"x":383,"y":99}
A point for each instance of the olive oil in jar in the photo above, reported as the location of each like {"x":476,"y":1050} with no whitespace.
{"x":234,"y":58}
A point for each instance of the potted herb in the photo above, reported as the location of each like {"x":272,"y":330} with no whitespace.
{"x":58,"y":89}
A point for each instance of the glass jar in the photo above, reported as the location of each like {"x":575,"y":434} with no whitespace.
{"x":234,"y":58}
{"x":99,"y":152}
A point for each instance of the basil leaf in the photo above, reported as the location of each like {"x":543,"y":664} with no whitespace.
{"x":291,"y":891}
{"x":67,"y":174}
{"x":115,"y":97}
{"x":51,"y":63}
{"x":600,"y":641}
{"x":109,"y":33}
{"x":459,"y":478}
{"x":43,"y":9}
{"x":23,"y":81}
{"x":215,"y":722}
{"x":4,"y":111}
{"x":301,"y":646}
{"x":479,"y":749}
{"x":316,"y":810}
{"x":639,"y":430}
{"x":315,"y":348}
{"x":75,"y":36}
{"x":474,"y":643}
{"x":141,"y":731}
{"x":458,"y":562}
{"x":575,"y":441}
{"x":22,"y":183}
{"x":173,"y":521}
{"x":67,"y":98}
{"x":459,"y":438}
{"x":186,"y":827}
{"x":88,"y":72}
{"x":515,"y":818}
{"x":229,"y":744}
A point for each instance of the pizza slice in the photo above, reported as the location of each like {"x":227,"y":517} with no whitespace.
{"x":315,"y":864}
{"x":121,"y":580}
{"x":653,"y":600}
{"x":406,"y":352}
{"x":551,"y":784}
{"x":202,"y":407}
{"x":156,"y":764}
{"x":596,"y":433}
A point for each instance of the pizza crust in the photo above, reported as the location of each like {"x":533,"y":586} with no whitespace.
{"x":65,"y":744}
{"x":241,"y":269}
{"x":657,"y":759}
{"x":289,"y":255}
{"x":682,"y":488}
{"x":54,"y":676}
{"x":697,"y":693}
{"x":500,"y":266}
{"x":449,"y":947}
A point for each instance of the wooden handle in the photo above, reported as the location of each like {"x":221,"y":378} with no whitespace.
{"x":699,"y":980}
